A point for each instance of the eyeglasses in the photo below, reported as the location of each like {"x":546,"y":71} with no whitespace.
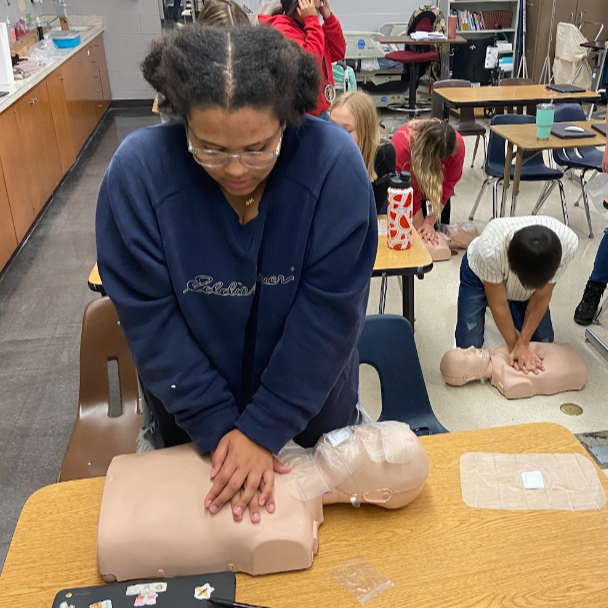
{"x":251,"y":160}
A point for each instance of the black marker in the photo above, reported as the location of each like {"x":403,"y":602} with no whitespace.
{"x":230,"y":603}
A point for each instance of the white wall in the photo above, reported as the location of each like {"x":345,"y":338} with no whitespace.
{"x":13,"y":12}
{"x":131,"y":25}
{"x":368,"y":15}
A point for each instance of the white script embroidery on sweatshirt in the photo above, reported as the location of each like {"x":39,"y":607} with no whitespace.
{"x":203,"y":283}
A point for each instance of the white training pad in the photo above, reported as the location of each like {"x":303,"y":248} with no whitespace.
{"x":566,"y":482}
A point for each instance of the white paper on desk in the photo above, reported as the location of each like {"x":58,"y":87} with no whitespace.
{"x":6,"y":66}
{"x":427,"y":36}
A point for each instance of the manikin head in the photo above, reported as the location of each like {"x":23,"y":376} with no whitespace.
{"x":462,"y":365}
{"x":377,"y":463}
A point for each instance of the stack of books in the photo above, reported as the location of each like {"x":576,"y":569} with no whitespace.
{"x":470,"y":21}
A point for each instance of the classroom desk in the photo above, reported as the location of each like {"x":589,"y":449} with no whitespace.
{"x":511,"y":96}
{"x":406,"y":264}
{"x":443,"y":44}
{"x":524,"y":138}
{"x":95,"y":281}
{"x":438,"y":552}
{"x":415,"y":261}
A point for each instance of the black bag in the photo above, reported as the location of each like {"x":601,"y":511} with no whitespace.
{"x":470,"y":58}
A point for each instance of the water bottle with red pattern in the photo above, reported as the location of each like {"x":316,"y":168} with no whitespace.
{"x":399,"y":211}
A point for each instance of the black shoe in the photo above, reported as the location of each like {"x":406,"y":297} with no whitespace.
{"x":585,"y":311}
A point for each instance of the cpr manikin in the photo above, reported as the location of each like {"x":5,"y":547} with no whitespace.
{"x":153,"y":522}
{"x":564,"y":370}
{"x":451,"y":236}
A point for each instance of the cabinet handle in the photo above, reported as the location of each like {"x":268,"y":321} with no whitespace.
{"x":98,"y":91}
{"x":79,"y":61}
{"x":100,"y":105}
{"x":95,"y":75}
{"x":34,"y":101}
{"x":60,"y":77}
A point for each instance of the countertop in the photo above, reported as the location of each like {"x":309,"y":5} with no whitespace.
{"x":20,"y":87}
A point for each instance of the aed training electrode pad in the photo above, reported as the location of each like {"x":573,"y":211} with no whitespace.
{"x":565,"y":482}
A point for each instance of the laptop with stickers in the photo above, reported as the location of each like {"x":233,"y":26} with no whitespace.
{"x":179,"y":592}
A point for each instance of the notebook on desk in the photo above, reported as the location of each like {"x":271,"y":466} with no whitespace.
{"x":566,"y":130}
{"x":565,"y":88}
{"x":180,"y":592}
{"x":600,"y":127}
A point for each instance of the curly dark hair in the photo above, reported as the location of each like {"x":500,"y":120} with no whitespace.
{"x":201,"y":66}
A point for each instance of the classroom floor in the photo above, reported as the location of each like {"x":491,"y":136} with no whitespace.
{"x":44,"y":291}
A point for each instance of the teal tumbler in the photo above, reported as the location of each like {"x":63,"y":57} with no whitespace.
{"x":544,"y":120}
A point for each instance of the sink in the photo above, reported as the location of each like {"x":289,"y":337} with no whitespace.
{"x":74,"y":28}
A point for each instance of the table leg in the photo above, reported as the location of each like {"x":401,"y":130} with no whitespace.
{"x":407,"y":293}
{"x":519,"y":161}
{"x":507,"y":177}
{"x":383,"y":293}
{"x":445,"y":61}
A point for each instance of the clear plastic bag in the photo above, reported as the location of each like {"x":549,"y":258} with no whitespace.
{"x":597,"y":189}
{"x":361,"y":579}
{"x":44,"y":52}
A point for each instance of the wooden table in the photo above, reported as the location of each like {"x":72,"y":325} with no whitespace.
{"x":415,"y":261}
{"x":524,"y":138}
{"x":438,"y":552}
{"x":443,"y":44}
{"x":523,"y":95}
{"x":95,"y":281}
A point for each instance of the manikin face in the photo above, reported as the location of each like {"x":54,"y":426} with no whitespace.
{"x":243,"y":130}
{"x":462,"y":365}
{"x":344,"y":118}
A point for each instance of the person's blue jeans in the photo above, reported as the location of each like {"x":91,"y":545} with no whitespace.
{"x":600,"y":266}
{"x":472,"y":304}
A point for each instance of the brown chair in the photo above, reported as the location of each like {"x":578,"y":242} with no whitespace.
{"x":467,"y":125}
{"x":100,"y":434}
{"x":514,"y":82}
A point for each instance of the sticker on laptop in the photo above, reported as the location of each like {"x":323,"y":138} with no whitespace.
{"x":146,"y":599}
{"x":204,"y":592}
{"x":144,"y":588}
{"x":104,"y":604}
{"x":65,"y":605}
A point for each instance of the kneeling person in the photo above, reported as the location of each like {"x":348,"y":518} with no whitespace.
{"x":512,"y":267}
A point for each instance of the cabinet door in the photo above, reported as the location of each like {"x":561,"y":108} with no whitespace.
{"x":17,"y":173}
{"x":61,"y":119}
{"x":103,"y":68}
{"x":592,"y":10}
{"x":74,"y":73}
{"x":35,"y":122}
{"x":8,"y":240}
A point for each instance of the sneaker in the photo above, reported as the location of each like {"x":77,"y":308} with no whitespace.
{"x":586,"y":310}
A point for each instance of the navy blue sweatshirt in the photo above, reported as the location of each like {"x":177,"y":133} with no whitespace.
{"x":252,"y":326}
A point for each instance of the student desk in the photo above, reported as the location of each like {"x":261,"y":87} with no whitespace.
{"x":523,"y":137}
{"x":511,"y":96}
{"x":444,"y":45}
{"x":438,"y":552}
{"x":95,"y":281}
{"x":413,"y":261}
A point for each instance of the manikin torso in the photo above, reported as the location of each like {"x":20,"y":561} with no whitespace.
{"x":153,"y":522}
{"x":564,"y":370}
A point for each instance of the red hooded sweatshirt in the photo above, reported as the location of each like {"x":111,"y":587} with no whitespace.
{"x":325,"y":41}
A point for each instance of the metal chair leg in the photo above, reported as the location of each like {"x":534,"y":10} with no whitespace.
{"x":495,"y":198}
{"x":479,"y":196}
{"x":485,"y":150}
{"x":383,"y":294}
{"x":503,"y":202}
{"x":544,"y":195}
{"x":562,"y":195}
{"x":475,"y":151}
{"x":586,"y":203}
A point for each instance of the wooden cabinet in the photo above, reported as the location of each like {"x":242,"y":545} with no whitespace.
{"x":8,"y":239}
{"x":42,"y":133}
{"x":17,"y":173}
{"x":61,"y":119}
{"x":539,"y":22}
{"x":37,"y":136}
